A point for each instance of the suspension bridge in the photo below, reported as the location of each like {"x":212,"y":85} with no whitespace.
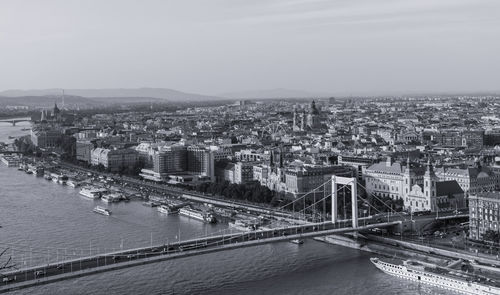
{"x":308,"y":224}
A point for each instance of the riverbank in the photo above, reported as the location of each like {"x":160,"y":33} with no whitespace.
{"x":392,"y":247}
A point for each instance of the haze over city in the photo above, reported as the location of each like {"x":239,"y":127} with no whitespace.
{"x":226,"y":47}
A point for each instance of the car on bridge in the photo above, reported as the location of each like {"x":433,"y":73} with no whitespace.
{"x":8,"y":279}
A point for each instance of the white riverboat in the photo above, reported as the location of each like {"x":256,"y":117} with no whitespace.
{"x":199,"y":215}
{"x":102,"y":210}
{"x":441,"y":277}
{"x":111,"y":198}
{"x":73,"y":183}
{"x":297,"y":241}
{"x":165,"y":209}
{"x":10,"y":160}
{"x":92,"y":192}
{"x":244,"y":225}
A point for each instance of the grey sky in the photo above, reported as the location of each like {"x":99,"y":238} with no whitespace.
{"x":213,"y":46}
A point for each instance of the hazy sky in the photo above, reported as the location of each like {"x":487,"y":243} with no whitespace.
{"x":214,"y":46}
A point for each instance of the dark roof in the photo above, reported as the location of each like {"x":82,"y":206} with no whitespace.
{"x":394,"y":168}
{"x":471,"y":172}
{"x":446,"y":188}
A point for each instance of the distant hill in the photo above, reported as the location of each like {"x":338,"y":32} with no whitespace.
{"x":46,"y":101}
{"x":136,"y":93}
{"x":72,"y":101}
{"x":274,"y":93}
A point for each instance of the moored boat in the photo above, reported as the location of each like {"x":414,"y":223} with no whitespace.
{"x":244,"y":225}
{"x":10,"y":160}
{"x":150,"y":204}
{"x":72,"y":183}
{"x":165,"y":209}
{"x":199,"y":215}
{"x":92,"y":192}
{"x":111,"y":198}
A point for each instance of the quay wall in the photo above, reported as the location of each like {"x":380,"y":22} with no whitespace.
{"x":390,"y":247}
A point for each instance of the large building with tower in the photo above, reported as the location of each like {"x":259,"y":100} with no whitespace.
{"x":420,"y":187}
{"x":309,"y":120}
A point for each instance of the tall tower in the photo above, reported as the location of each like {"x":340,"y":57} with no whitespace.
{"x":429,"y":183}
{"x":62,"y":107}
{"x":407,"y":180}
{"x":313,"y":120}
{"x":295,"y":118}
{"x":303,"y":121}
{"x":43,"y":116}
{"x":56,"y":113}
{"x":281,"y":156}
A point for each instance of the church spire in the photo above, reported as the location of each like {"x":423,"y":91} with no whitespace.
{"x":429,"y":172}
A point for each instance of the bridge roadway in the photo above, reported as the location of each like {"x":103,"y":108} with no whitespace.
{"x":44,"y":274}
{"x":13,"y":121}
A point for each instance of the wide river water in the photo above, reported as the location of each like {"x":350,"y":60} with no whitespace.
{"x":44,"y":221}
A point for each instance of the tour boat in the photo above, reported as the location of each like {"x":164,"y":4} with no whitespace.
{"x":102,"y":211}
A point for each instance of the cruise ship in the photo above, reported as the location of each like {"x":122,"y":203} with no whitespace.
{"x":206,"y":217}
{"x":102,"y":211}
{"x":92,"y":192}
{"x":441,"y":277}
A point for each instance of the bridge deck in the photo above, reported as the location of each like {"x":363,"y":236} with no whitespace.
{"x":68,"y":269}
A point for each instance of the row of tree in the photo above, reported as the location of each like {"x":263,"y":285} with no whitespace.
{"x":24,"y":145}
{"x":491,"y":236}
{"x":252,"y":191}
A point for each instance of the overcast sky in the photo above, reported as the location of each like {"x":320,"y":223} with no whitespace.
{"x":214,"y":46}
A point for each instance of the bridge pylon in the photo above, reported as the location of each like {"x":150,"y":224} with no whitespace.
{"x":352,"y":183}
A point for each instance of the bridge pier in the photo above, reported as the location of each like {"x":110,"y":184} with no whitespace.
{"x":351,"y":182}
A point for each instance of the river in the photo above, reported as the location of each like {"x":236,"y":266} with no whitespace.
{"x":44,"y":221}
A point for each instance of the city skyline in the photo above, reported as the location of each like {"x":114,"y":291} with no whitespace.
{"x":250,"y":147}
{"x":217,"y":47}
